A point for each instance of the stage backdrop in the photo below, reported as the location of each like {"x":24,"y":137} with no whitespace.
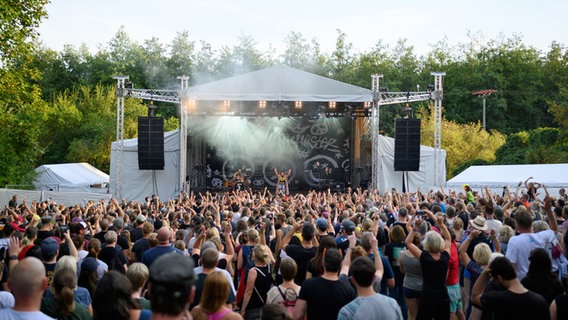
{"x":318,"y":151}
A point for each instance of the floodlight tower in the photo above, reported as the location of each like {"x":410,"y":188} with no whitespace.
{"x":484,"y":94}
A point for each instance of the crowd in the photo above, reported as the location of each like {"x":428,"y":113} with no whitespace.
{"x":361,"y":254}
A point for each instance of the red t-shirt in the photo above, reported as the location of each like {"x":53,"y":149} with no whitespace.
{"x":453,"y":266}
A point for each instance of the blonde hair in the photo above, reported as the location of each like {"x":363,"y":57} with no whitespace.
{"x":253,"y":236}
{"x":433,"y":241}
{"x":458,"y":224}
{"x":482,"y":254}
{"x":505,"y":233}
{"x":66,"y":262}
{"x":261,"y":253}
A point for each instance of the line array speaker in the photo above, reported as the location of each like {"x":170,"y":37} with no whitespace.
{"x":150,"y":143}
{"x":407,"y":145}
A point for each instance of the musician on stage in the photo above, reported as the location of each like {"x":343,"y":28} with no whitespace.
{"x":282,"y":182}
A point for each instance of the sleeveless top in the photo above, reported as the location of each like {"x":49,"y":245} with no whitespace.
{"x":262,"y":284}
{"x":219,"y":314}
{"x":412,"y":272}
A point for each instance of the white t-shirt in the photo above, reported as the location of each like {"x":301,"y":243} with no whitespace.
{"x":520,"y":247}
{"x":9,"y":314}
{"x":493,"y":224}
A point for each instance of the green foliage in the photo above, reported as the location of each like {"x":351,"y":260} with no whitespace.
{"x":18,"y":22}
{"x":462,"y":142}
{"x":513,"y":151}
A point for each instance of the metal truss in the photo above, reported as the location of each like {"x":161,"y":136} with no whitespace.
{"x":383,"y":97}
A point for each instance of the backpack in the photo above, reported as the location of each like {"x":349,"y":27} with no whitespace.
{"x":289,"y":298}
{"x":116,"y":264}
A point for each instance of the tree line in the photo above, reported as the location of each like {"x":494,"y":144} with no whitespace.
{"x":60,"y":106}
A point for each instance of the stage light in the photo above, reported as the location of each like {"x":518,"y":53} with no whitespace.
{"x":331,"y":104}
{"x":298,"y":104}
{"x":262,"y":104}
{"x":227,"y":103}
{"x":367,"y":104}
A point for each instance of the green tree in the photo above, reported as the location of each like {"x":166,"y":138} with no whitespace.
{"x":18,"y":26}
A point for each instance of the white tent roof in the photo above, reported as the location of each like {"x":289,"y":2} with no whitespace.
{"x":279,"y":83}
{"x":551,"y":175}
{"x":69,"y":175}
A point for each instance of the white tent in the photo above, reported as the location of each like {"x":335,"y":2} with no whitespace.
{"x":77,"y":177}
{"x":138,"y":184}
{"x":424,"y":178}
{"x":553,"y":176}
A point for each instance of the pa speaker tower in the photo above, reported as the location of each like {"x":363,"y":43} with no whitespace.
{"x":407,"y":145}
{"x":150,"y":143}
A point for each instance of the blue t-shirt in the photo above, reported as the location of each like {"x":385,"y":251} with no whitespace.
{"x":152,"y":254}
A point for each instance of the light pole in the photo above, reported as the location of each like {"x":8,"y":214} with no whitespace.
{"x":484,"y":94}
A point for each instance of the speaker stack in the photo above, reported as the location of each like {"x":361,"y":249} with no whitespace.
{"x":150,"y":143}
{"x":407,"y":145}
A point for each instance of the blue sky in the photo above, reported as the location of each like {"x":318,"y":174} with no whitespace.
{"x":365,"y":22}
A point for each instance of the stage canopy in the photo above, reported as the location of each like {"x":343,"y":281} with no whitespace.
{"x":280,"y":83}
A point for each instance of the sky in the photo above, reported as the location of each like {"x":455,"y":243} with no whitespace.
{"x":365,"y":22}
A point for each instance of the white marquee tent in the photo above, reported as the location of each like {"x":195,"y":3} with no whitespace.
{"x":138,"y":184}
{"x":424,"y":178}
{"x":76,"y":177}
{"x":553,"y":176}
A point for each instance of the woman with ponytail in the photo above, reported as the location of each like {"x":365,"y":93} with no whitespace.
{"x":62,"y":305}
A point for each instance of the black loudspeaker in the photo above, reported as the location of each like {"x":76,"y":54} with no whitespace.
{"x":407,"y":145}
{"x":150,"y":143}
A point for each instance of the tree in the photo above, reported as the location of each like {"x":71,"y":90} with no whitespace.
{"x":462,"y":142}
{"x":18,"y":26}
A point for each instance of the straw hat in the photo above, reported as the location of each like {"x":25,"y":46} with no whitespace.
{"x":479,"y":223}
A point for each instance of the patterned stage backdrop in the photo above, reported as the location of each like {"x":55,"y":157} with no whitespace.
{"x":317,"y":151}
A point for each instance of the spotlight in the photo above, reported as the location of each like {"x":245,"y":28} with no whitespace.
{"x":298,"y":104}
{"x":262,"y":104}
{"x":331,"y":104}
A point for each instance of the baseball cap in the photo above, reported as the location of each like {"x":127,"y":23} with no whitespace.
{"x":173,"y":271}
{"x":348,"y":225}
{"x":49,"y":246}
{"x":321,"y":223}
{"x":140,"y":218}
{"x":90,"y":264}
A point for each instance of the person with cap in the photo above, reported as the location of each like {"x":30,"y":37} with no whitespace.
{"x":46,"y":228}
{"x":515,"y":302}
{"x":88,"y":275}
{"x":478,"y":228}
{"x":347,"y":228}
{"x":163,"y":247}
{"x":50,"y":250}
{"x":172,"y":287}
{"x":322,"y":227}
{"x":27,"y":283}
{"x":138,"y":231}
{"x":468,"y":194}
